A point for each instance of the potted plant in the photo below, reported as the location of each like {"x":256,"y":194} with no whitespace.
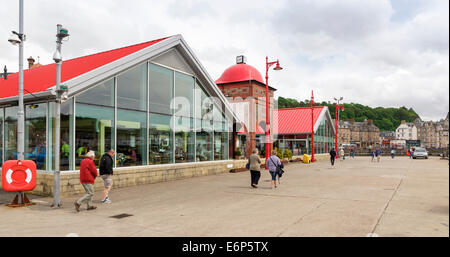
{"x":238,"y":153}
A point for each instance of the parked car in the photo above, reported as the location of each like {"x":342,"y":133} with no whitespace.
{"x":420,"y":153}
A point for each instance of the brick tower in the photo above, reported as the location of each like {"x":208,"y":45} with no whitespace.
{"x":244,"y":86}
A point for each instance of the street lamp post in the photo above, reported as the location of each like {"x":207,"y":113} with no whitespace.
{"x":19,"y":38}
{"x":312,"y":126}
{"x":277,"y":67}
{"x":60,"y":34}
{"x":338,"y":107}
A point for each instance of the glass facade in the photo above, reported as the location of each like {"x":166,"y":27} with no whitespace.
{"x":149,"y":114}
{"x":94,"y":121}
{"x":36,"y":134}
{"x":66,"y":154}
{"x":132,"y":117}
{"x":160,"y":139}
{"x":10,"y":130}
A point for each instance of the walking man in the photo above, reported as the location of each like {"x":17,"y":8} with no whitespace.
{"x":332,"y":156}
{"x":106,"y":172}
{"x":88,"y":173}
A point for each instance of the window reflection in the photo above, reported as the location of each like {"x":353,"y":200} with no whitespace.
{"x":161,"y":89}
{"x":184,"y":140}
{"x":11,"y":133}
{"x":35,"y":134}
{"x":95,"y":121}
{"x":160,"y":139}
{"x":132,"y":117}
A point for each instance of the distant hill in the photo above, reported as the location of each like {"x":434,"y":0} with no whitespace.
{"x":386,"y":119}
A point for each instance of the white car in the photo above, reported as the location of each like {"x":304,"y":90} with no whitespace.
{"x":420,"y":153}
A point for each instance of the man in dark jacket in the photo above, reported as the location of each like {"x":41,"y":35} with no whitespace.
{"x":332,"y":156}
{"x":106,"y":172}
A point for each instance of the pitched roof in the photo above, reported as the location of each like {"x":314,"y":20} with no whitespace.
{"x":295,"y":120}
{"x":292,"y":121}
{"x":42,"y":78}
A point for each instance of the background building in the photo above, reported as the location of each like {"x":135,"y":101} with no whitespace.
{"x":362,"y":134}
{"x":433,"y":134}
{"x":406,"y":131}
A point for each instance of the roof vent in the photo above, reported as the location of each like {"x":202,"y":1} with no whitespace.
{"x":241,"y":59}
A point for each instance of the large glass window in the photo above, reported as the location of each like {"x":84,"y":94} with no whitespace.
{"x":95,"y":121}
{"x":161,"y":89}
{"x":204,"y":126}
{"x":220,"y":134}
{"x":132,"y":117}
{"x":11,"y":133}
{"x":220,"y":141}
{"x":204,"y":140}
{"x":184,"y":93}
{"x":160,"y":139}
{"x":35,"y":134}
{"x":131,"y":138}
{"x":184,"y":139}
{"x":132,"y":89}
{"x":66,"y":137}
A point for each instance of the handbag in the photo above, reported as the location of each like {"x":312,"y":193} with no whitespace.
{"x":279,"y":170}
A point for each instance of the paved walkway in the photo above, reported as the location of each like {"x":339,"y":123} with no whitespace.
{"x":399,"y":197}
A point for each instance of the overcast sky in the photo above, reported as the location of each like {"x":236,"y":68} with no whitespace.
{"x":374,"y":52}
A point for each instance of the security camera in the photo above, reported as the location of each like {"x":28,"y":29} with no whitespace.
{"x":57,"y":56}
{"x":14,"y":39}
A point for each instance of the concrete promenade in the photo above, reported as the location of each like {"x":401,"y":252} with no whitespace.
{"x":396,"y":197}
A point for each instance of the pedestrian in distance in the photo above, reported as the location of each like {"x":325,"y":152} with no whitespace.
{"x":352,"y":153}
{"x":88,"y":173}
{"x":273,"y":163}
{"x":372,"y":153}
{"x":106,"y":172}
{"x":392,"y":153}
{"x":332,"y":156}
{"x":255,"y":168}
{"x":342,"y":154}
{"x":378,"y":154}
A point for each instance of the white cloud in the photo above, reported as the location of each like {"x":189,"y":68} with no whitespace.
{"x":368,"y":51}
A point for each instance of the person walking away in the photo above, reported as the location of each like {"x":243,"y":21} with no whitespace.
{"x":106,"y":172}
{"x":378,"y":155}
{"x":372,"y":153}
{"x":352,"y":153}
{"x":332,"y":156}
{"x":392,"y":153}
{"x":255,"y":168}
{"x":88,"y":173}
{"x":272,"y":163}
{"x":342,"y":154}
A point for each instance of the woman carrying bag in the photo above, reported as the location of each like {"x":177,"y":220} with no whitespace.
{"x":275,"y":168}
{"x":254,"y":165}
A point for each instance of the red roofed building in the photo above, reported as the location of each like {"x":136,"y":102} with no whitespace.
{"x":290,"y":128}
{"x":245,"y":88}
{"x":153,"y":102}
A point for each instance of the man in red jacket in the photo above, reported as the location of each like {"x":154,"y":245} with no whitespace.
{"x":88,"y":173}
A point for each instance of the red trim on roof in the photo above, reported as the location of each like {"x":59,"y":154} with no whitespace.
{"x":42,"y":78}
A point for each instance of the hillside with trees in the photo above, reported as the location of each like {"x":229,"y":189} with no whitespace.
{"x":386,"y":119}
